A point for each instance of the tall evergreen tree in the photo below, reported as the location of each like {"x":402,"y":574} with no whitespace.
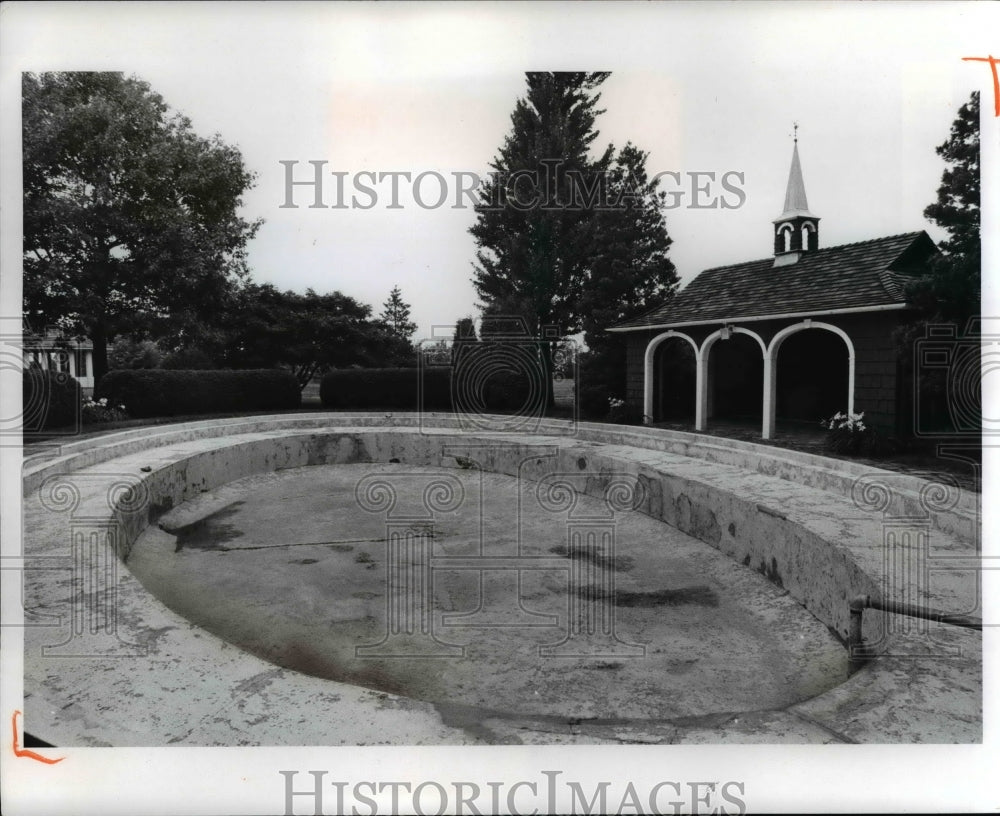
{"x":630,"y":274}
{"x":951,"y":292}
{"x":532,"y":240}
{"x":396,"y":315}
{"x":568,"y":239}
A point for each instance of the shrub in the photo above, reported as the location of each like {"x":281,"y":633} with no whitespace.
{"x":100,"y":411}
{"x":380,"y":388}
{"x":163,"y":392}
{"x":622,"y":413}
{"x":49,"y":399}
{"x":599,"y":375}
{"x":847,"y":433}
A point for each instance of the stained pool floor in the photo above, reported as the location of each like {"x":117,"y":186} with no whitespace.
{"x":581,"y":611}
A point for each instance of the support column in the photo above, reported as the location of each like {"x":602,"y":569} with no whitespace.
{"x":850,"y":380}
{"x":701,"y":390}
{"x":769,"y":396}
{"x":647,"y":381}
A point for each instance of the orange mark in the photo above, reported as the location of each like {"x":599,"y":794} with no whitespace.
{"x":22,"y":752}
{"x":996,"y":79}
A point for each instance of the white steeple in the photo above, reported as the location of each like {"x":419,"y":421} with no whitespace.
{"x":796,"y":230}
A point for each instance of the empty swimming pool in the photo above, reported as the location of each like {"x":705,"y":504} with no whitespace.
{"x":479,"y":590}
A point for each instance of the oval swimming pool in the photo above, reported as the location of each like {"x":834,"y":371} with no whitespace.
{"x":478,"y":590}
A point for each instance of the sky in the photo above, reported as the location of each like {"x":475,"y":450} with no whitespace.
{"x":707,"y":88}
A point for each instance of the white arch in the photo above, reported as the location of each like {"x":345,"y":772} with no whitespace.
{"x":710,"y":340}
{"x":702,"y":406}
{"x":808,"y":228}
{"x":770,"y":367}
{"x":785,"y":234}
{"x":647,"y":396}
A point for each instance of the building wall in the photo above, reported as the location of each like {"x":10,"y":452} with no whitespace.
{"x":878,"y":390}
{"x":635,"y":351}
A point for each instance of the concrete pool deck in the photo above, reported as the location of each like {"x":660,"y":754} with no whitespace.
{"x":820,"y":531}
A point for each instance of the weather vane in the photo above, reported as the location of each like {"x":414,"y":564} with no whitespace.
{"x":795,"y":132}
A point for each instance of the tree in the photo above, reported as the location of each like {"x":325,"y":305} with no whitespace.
{"x":531,"y":233}
{"x":463,"y":339}
{"x":567,"y":240}
{"x":630,"y":273}
{"x":949,"y":293}
{"x":128,"y":353}
{"x":465,"y":330}
{"x":308,"y":334}
{"x":130,"y":218}
{"x":396,"y":315}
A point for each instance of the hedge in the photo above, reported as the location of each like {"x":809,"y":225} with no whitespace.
{"x":378,"y":388}
{"x":163,"y":392}
{"x":509,"y":392}
{"x":397,"y":388}
{"x":49,"y":399}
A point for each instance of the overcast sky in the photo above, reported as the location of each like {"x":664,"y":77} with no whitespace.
{"x":702,"y":88}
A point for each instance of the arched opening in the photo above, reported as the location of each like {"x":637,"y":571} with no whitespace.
{"x":810,"y":242}
{"x":674,"y":380}
{"x":736,"y":378}
{"x":812,"y":376}
{"x":786,"y":238}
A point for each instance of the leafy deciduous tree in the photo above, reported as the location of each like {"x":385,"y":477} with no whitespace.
{"x":308,"y":333}
{"x":129,"y":216}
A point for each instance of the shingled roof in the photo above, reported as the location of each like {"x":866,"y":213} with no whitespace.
{"x":841,"y":278}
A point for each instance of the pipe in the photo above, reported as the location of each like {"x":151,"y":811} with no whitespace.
{"x":858,"y":605}
{"x":863,"y":602}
